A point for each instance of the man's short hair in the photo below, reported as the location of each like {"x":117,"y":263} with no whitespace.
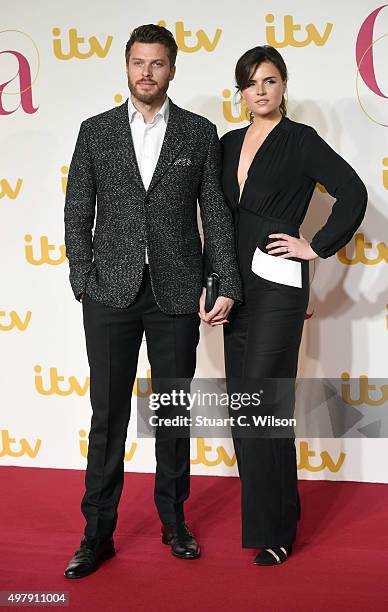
{"x":152,"y":33}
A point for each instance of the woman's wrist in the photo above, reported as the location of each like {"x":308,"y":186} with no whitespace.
{"x":312,"y":253}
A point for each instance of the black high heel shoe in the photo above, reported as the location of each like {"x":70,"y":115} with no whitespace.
{"x":273,"y":556}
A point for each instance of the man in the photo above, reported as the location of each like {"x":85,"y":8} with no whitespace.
{"x":147,"y":162}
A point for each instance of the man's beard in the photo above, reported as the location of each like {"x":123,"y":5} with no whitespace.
{"x":144,"y":96}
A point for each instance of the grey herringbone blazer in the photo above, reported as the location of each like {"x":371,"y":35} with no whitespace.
{"x":104,"y":181}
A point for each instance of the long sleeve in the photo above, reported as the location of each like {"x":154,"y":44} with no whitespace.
{"x":322,"y":164}
{"x":79,"y":214}
{"x":217,"y":222}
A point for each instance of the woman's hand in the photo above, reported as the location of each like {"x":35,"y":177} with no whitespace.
{"x":290,"y":246}
{"x":218,"y":315}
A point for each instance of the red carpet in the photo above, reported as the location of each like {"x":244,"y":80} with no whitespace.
{"x":340,"y":560}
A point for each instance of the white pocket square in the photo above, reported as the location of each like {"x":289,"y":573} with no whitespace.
{"x":183,"y":161}
{"x":276,"y":269}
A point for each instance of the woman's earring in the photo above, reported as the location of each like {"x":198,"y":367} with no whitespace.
{"x":249,"y":115}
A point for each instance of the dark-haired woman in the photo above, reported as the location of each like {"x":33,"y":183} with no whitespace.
{"x":270,"y":169}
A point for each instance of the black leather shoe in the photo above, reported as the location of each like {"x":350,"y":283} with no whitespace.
{"x":89,"y":557}
{"x":182,"y":541}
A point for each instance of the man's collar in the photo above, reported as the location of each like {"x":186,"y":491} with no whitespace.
{"x":162,"y":112}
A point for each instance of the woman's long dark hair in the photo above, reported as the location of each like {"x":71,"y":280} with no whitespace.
{"x":251,"y":59}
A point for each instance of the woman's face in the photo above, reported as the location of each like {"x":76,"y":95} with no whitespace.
{"x":264,"y":91}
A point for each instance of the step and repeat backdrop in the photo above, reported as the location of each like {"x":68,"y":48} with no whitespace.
{"x":63,"y":62}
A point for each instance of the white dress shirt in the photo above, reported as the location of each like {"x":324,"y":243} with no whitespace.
{"x":147,"y":140}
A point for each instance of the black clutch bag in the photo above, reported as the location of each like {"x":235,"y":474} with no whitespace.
{"x":212,"y":289}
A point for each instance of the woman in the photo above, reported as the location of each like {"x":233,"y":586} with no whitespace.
{"x":270,"y":170}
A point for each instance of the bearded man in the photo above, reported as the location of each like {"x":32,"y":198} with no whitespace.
{"x":141,"y":169}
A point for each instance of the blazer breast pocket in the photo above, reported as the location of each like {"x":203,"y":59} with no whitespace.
{"x":183,"y":162}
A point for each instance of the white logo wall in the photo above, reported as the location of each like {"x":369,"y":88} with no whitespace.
{"x":62,"y":64}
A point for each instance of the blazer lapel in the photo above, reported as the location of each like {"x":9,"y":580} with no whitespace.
{"x":124,"y":137}
{"x":174,"y":140}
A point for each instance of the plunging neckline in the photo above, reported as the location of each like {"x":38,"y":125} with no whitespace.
{"x":256,"y":155}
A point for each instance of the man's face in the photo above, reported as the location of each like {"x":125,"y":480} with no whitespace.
{"x":149,"y":71}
